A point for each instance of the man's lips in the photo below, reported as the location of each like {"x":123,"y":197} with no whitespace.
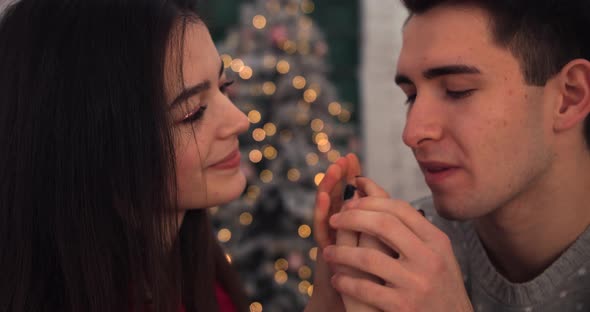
{"x":230,"y":161}
{"x":435,"y":172}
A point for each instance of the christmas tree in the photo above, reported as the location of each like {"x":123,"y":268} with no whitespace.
{"x":298,"y":127}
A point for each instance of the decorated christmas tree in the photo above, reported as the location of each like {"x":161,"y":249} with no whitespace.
{"x":298,"y":127}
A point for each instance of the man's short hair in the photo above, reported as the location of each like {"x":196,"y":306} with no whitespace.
{"x":543,"y":35}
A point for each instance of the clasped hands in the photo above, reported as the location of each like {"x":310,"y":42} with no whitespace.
{"x":377,"y":253}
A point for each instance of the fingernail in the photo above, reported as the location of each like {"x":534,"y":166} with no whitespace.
{"x":349,"y":191}
{"x":328,"y":252}
{"x":422,"y":212}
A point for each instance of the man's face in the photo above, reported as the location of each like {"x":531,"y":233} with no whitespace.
{"x":481,"y":136}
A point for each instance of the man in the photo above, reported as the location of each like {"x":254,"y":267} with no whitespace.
{"x":498,"y":103}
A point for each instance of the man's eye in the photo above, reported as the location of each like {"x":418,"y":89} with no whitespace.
{"x":225,"y":86}
{"x":459,"y":94}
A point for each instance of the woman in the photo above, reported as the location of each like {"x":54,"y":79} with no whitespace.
{"x":115,"y":133}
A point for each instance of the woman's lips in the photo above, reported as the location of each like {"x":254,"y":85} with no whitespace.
{"x":231,"y":161}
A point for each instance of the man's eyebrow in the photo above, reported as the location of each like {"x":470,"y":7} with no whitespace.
{"x":190,"y":92}
{"x":436,"y":72}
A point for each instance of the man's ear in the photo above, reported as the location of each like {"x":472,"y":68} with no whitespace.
{"x":574,"y":86}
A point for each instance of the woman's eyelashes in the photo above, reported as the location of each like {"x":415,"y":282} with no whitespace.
{"x":195,"y":115}
{"x":224,"y":86}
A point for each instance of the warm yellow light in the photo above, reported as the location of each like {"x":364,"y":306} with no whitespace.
{"x":320,"y":137}
{"x":255,"y":307}
{"x":258,"y":134}
{"x":333,"y":155}
{"x":317,"y":125}
{"x":226,"y":60}
{"x":310,"y":95}
{"x":283,"y":67}
{"x":246,"y":218}
{"x":254,"y":116}
{"x":313,"y":253}
{"x":237,"y":65}
{"x":228,"y":257}
{"x":299,"y":82}
{"x":270,"y":152}
{"x":253,"y":190}
{"x":344,"y":116}
{"x":324,"y":146}
{"x":318,"y":178}
{"x":334,"y":108}
{"x":224,"y":235}
{"x":289,"y":47}
{"x":293,"y":175}
{"x":269,"y":88}
{"x":307,"y":7}
{"x":310,"y":290}
{"x":270,"y":129}
{"x":266,"y":176}
{"x":255,"y":156}
{"x":304,"y":231}
{"x":281,"y":264}
{"x":312,"y":159}
{"x":259,"y":21}
{"x":246,"y":73}
{"x":304,"y":272}
{"x":303,"y":286}
{"x":281,"y":277}
{"x":269,"y":61}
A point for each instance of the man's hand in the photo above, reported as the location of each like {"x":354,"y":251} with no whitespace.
{"x":423,"y":276}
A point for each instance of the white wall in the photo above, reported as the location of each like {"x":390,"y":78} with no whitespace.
{"x":386,"y":159}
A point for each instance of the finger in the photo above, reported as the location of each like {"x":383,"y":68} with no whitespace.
{"x":354,"y":168}
{"x":332,"y":176}
{"x":370,"y":188}
{"x":380,"y":297}
{"x":384,"y":226}
{"x":372,"y":262}
{"x":321,"y":228}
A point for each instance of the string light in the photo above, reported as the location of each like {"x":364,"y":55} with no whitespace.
{"x":299,"y":82}
{"x":305,"y":23}
{"x":334,"y":108}
{"x":293,"y":175}
{"x":310,"y":95}
{"x":237,"y":65}
{"x":292,"y":8}
{"x":310,"y":290}
{"x":307,"y":7}
{"x":270,"y":129}
{"x":283,"y":67}
{"x":320,"y":138}
{"x":259,"y":21}
{"x":224,"y":235}
{"x":226,"y":59}
{"x":269,"y":88}
{"x":344,"y":116}
{"x":254,"y":116}
{"x":318,"y":178}
{"x":253,"y":191}
{"x":269,"y":61}
{"x":281,"y":277}
{"x":304,"y":272}
{"x":324,"y":147}
{"x":228,"y":257}
{"x":266,"y":176}
{"x":246,"y":73}
{"x":246,"y":218}
{"x":281,"y":264}
{"x":303,"y":286}
{"x":258,"y":134}
{"x":289,"y":47}
{"x":313,"y":254}
{"x":304,"y":231}
{"x":255,"y":307}
{"x":255,"y":156}
{"x":317,"y":125}
{"x":270,"y":153}
{"x":312,"y":159}
{"x":333,"y":155}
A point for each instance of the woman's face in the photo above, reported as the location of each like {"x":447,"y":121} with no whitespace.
{"x":206,"y":124}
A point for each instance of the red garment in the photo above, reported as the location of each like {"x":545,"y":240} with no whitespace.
{"x":223,"y":300}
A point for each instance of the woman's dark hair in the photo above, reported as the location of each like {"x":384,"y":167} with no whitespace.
{"x":543,"y":35}
{"x":87,"y":176}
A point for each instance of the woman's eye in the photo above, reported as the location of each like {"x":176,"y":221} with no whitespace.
{"x":225,"y":86}
{"x":194,"y":115}
{"x":459,"y":94}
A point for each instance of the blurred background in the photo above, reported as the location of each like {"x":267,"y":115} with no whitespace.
{"x":316,"y":79}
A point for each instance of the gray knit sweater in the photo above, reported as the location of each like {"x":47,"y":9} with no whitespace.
{"x":564,"y":286}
